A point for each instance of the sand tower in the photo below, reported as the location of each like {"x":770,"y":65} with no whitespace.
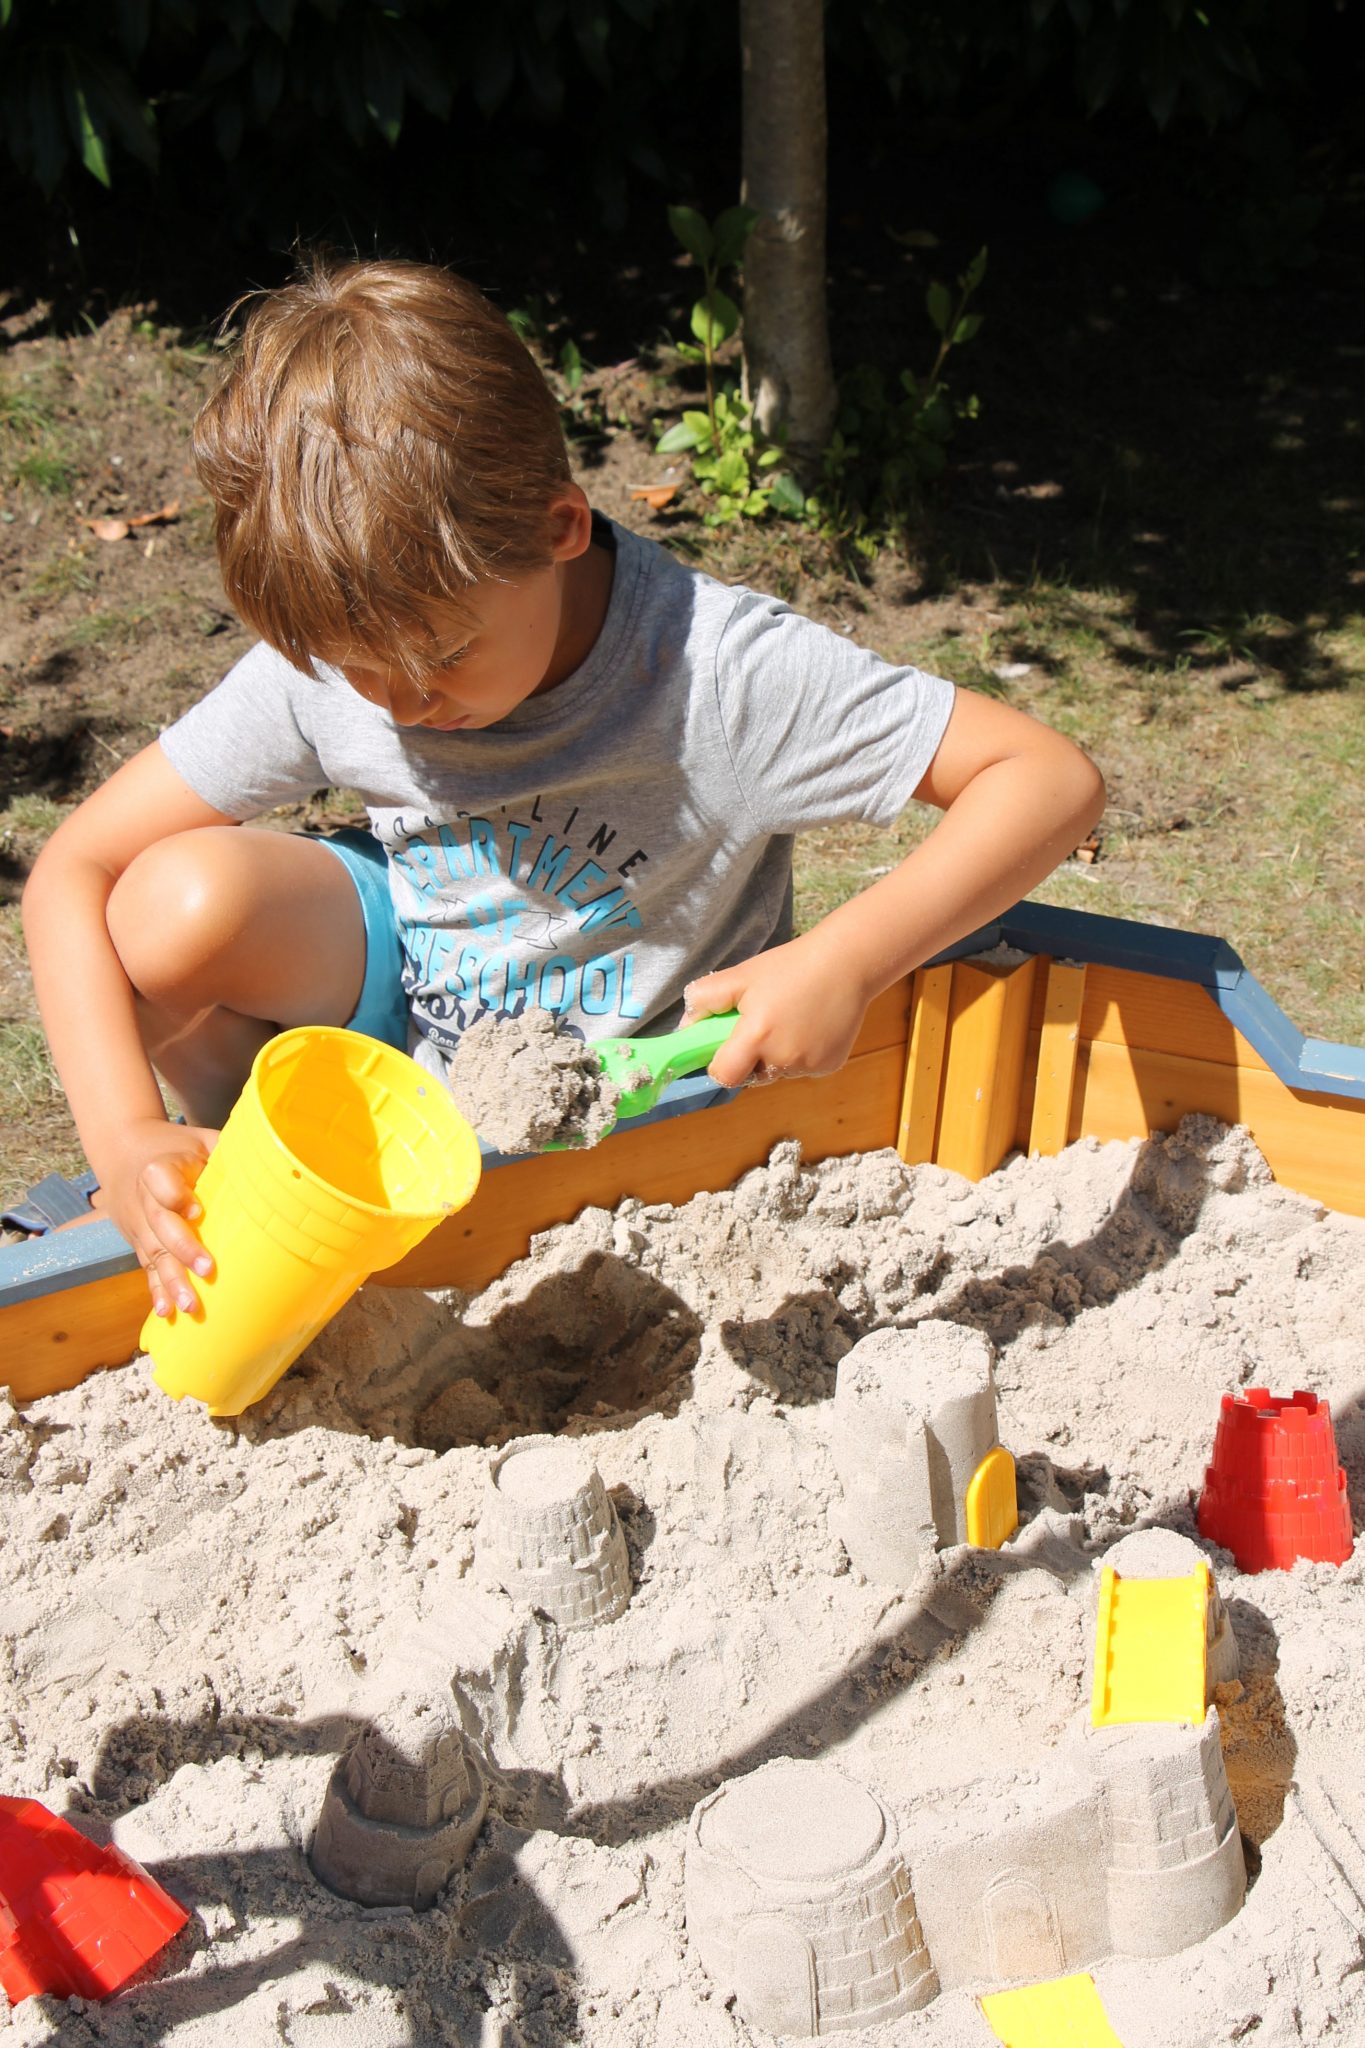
{"x":1175,"y":1866}
{"x":913,"y":1420}
{"x":549,"y":1535}
{"x":402,"y":1808}
{"x":1164,"y":1554}
{"x":798,"y":1902}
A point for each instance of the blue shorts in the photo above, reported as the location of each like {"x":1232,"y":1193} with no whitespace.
{"x":382,"y":1011}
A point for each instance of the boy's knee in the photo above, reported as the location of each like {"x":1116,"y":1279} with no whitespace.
{"x":173,"y":910}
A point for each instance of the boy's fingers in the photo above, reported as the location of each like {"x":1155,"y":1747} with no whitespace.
{"x":174,"y":1236}
{"x":709,"y":995}
{"x":738,"y":1058}
{"x":167,"y":1279}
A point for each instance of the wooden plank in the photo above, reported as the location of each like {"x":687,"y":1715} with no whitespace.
{"x":887,"y":1021}
{"x":55,"y":1341}
{"x":854,"y":1110}
{"x":1313,"y":1143}
{"x":1058,"y":1044}
{"x":987,"y":1040}
{"x":1174,"y":1017}
{"x":924,"y":1064}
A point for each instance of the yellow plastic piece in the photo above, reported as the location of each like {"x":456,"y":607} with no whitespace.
{"x":1151,"y":1648}
{"x":992,"y":1510}
{"x":338,"y":1157}
{"x":1065,"y":2013}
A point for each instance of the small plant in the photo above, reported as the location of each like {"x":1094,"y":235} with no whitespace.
{"x":729,"y":464}
{"x":888,"y":443}
{"x":717,"y":246}
{"x":564,"y":368}
{"x":729,"y":459}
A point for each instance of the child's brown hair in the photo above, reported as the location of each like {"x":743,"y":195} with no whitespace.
{"x":380,"y":441}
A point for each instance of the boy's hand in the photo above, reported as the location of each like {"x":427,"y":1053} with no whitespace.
{"x":149,"y":1193}
{"x":799,"y":1012}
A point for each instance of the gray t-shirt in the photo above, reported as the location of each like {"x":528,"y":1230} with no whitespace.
{"x":606,"y":841}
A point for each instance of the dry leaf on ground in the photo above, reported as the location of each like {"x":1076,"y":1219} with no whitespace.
{"x":656,"y":496}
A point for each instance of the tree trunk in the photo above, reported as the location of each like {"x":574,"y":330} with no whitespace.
{"x":786,"y":330}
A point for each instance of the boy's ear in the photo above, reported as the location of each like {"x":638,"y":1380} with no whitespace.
{"x":570,"y":524}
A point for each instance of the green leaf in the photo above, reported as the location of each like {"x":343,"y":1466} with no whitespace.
{"x":383,"y":83}
{"x":714,"y":320}
{"x":495,"y":68}
{"x":5,"y":8}
{"x":571,"y":364}
{"x":133,"y":18}
{"x":43,"y":105}
{"x":267,"y":79}
{"x":731,"y":231}
{"x":976,"y":270}
{"x":699,"y":422}
{"x":93,"y":153}
{"x":967,"y":326}
{"x":592,"y":29}
{"x":677,"y":438}
{"x":787,"y":496}
{"x":692,"y":231}
{"x":769,"y":457}
{"x":227,"y":126}
{"x":732,"y":471}
{"x":939,"y":300}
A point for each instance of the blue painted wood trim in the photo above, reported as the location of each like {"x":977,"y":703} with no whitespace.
{"x":64,"y":1259}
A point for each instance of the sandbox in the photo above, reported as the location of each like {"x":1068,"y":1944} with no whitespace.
{"x":201,"y":1618}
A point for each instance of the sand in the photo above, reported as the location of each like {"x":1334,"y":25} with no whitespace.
{"x":198,"y":1616}
{"x":524,"y":1084}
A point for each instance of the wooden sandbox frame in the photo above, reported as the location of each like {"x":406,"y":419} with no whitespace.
{"x":1105,"y":1029}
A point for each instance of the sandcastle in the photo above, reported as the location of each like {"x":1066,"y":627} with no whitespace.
{"x":402,"y":1808}
{"x":799,"y":1902}
{"x":550,"y":1536}
{"x":917,"y":1450}
{"x":1126,"y":1843}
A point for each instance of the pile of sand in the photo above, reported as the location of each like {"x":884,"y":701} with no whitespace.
{"x":523,"y":1084}
{"x":197,"y":1615}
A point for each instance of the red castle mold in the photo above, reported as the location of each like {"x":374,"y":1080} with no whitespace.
{"x":76,"y":1920}
{"x":1274,"y":1491}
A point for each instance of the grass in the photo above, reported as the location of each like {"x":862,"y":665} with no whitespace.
{"x":64,"y":575}
{"x":39,"y":1135}
{"x":33,"y":451}
{"x":121,"y":625}
{"x":32,"y":814}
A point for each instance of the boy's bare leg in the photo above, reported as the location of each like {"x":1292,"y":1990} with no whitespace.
{"x":229,"y":935}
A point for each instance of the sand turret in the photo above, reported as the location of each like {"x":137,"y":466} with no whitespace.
{"x":799,"y":1903}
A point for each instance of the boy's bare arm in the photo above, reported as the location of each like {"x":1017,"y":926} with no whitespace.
{"x":146,"y":1166}
{"x":1016,"y":797}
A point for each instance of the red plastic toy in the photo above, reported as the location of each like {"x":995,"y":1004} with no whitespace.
{"x":75,"y":1920}
{"x":1275,"y":1491}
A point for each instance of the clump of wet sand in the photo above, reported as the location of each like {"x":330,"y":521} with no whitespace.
{"x":524,"y":1084}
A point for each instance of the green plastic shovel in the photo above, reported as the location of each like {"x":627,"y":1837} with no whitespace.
{"x":643,"y":1067}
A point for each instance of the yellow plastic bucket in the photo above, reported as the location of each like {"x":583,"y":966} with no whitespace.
{"x":338,"y":1157}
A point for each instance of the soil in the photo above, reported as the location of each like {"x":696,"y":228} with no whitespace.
{"x":198,"y":1616}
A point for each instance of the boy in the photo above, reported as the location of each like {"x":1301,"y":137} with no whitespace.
{"x":583,"y":764}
